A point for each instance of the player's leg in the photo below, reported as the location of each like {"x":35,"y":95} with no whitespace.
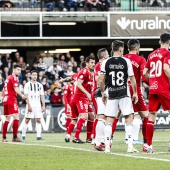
{"x":90,"y":122}
{"x":68,"y":115}
{"x":5,"y":125}
{"x":24,"y":128}
{"x":126,"y":107}
{"x":115,"y":123}
{"x":111,"y":112}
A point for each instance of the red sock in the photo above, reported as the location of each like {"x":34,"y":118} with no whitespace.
{"x":5,"y":127}
{"x":149,"y":132}
{"x":114,"y":125}
{"x":70,"y":128}
{"x":68,"y":121}
{"x":145,"y":121}
{"x":94,"y":128}
{"x":89,"y":129}
{"x":80,"y":124}
{"x":15,"y":127}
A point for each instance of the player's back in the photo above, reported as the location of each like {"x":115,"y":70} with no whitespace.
{"x":9,"y":92}
{"x":158,"y":81}
{"x":138,"y":64}
{"x":68,"y":91}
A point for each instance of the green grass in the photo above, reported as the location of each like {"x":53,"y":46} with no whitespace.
{"x":46,"y":155}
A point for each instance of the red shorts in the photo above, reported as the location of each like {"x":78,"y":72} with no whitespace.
{"x":141,"y":104}
{"x":67,"y":111}
{"x":10,"y":109}
{"x":156,"y":100}
{"x":79,"y":105}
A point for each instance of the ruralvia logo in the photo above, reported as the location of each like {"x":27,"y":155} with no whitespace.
{"x":143,"y":24}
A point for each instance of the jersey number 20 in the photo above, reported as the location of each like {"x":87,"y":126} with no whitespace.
{"x":156,"y":69}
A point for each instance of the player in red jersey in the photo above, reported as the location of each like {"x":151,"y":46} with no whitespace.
{"x":68,"y":93}
{"x":10,"y":103}
{"x":140,"y":107}
{"x":158,"y":73}
{"x":81,"y":100}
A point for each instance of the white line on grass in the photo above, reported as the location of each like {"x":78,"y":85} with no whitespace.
{"x":87,"y":150}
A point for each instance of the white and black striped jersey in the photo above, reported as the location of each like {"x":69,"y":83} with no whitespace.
{"x":34,"y":92}
{"x":117,"y":71}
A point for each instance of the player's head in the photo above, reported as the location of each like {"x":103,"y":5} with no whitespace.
{"x":16,"y":70}
{"x":165,"y":39}
{"x":34,"y":75}
{"x":133,"y":45}
{"x":82,"y":64}
{"x":118,"y":47}
{"x":90,"y":62}
{"x":102,"y":54}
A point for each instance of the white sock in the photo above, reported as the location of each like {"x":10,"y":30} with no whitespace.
{"x":136,"y":125}
{"x":129,"y":132}
{"x":99,"y":131}
{"x":108,"y":133}
{"x":38,"y":129}
{"x":126,"y":137}
{"x":24,"y":129}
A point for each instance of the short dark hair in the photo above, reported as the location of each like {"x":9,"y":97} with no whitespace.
{"x":89,"y":58}
{"x":101,"y":53}
{"x":33,"y":71}
{"x":164,"y":38}
{"x":117,"y":44}
{"x":83,"y":64}
{"x":16,"y":65}
{"x":132,"y":44}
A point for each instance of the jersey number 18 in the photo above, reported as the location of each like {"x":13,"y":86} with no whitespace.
{"x":117,"y":78}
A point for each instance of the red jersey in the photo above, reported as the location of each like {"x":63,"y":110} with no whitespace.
{"x":138,"y":64}
{"x":74,"y":78}
{"x":96,"y":74}
{"x":158,"y":81}
{"x":68,"y":93}
{"x":10,"y":96}
{"x":87,"y":78}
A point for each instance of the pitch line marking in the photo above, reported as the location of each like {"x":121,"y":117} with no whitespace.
{"x":87,"y":150}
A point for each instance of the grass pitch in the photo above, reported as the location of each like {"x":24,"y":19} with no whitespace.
{"x":54,"y":154}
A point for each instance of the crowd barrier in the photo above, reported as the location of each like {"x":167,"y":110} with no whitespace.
{"x":54,"y":119}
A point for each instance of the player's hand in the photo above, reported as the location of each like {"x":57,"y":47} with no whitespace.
{"x":68,"y":108}
{"x":104,"y":99}
{"x":29,"y":108}
{"x":43,"y":109}
{"x":23,"y":97}
{"x":135,"y":98}
{"x":89,"y":97}
{"x":61,"y":80}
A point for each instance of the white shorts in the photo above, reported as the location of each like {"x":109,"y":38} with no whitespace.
{"x":123,"y":104}
{"x":101,"y":106}
{"x":36,"y":113}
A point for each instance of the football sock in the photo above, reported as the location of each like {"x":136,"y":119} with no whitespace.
{"x":129,"y":132}
{"x":70,"y":128}
{"x":15,"y":127}
{"x":136,"y":126}
{"x":94,"y":128}
{"x":114,"y":125}
{"x":144,"y":125}
{"x":99,"y":131}
{"x":5,"y":127}
{"x":89,"y":129}
{"x":149,"y":132}
{"x":68,"y":121}
{"x":38,"y":129}
{"x":24,"y":129}
{"x":126,"y":137}
{"x":79,"y":127}
{"x":108,"y":133}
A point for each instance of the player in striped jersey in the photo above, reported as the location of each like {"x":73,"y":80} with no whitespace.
{"x":34,"y":92}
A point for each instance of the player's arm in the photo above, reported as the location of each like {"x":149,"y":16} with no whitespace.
{"x":166,"y":70}
{"x":142,"y":67}
{"x":65,"y":96}
{"x":67,"y":79}
{"x":146,"y":73}
{"x":133,"y":84}
{"x":43,"y":102}
{"x":80,"y":86}
{"x":28,"y":103}
{"x":19,"y":93}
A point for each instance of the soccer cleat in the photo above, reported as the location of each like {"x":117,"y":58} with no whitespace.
{"x":4,"y":140}
{"x":40,"y":138}
{"x":150,"y":150}
{"x":23,"y":138}
{"x":67,"y":139}
{"x":99,"y":148}
{"x":16,"y":140}
{"x":107,"y":150}
{"x":132,"y":150}
{"x":145,"y":148}
{"x":126,"y":141}
{"x":75,"y":140}
{"x":88,"y":140}
{"x":137,"y":142}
